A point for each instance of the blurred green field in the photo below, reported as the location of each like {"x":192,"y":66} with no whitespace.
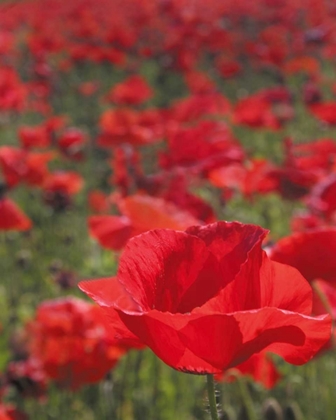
{"x":141,"y":386}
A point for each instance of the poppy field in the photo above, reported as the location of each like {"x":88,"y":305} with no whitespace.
{"x":167,"y":210}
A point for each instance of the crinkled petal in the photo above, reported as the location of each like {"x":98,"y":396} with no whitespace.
{"x":225,"y":343}
{"x":295,"y":337}
{"x":158,"y":267}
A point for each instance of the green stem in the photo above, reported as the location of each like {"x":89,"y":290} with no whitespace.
{"x":212,"y":397}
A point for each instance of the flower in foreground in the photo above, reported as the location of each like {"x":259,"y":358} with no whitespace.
{"x":209,"y":298}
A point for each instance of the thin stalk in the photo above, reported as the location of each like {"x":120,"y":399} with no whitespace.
{"x":212,"y":397}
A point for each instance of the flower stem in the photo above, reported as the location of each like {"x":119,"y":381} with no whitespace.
{"x":212,"y":397}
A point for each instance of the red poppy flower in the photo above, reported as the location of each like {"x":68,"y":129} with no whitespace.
{"x":312,"y":253}
{"x":71,"y":143}
{"x":176,"y":191}
{"x":112,"y":232}
{"x":140,"y":213}
{"x":256,"y":179}
{"x":21,"y":166}
{"x":199,"y":83}
{"x":305,"y":64}
{"x":12,"y":161}
{"x":36,"y":168}
{"x":147,"y":213}
{"x":59,"y":187}
{"x":11,"y":217}
{"x":70,"y":338}
{"x":40,"y":135}
{"x":36,"y":136}
{"x":207,"y":299}
{"x":255,"y":112}
{"x":66,"y":182}
{"x":129,"y":126}
{"x":324,"y":111}
{"x":249,"y":179}
{"x":231,"y":176}
{"x":290,"y":182}
{"x":126,"y":168}
{"x":12,"y":91}
{"x":303,"y":221}
{"x":317,"y":155}
{"x":228,"y":67}
{"x":132,"y":91}
{"x":207,"y":145}
{"x":196,"y":106}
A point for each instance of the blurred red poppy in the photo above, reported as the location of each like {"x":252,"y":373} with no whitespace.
{"x":59,"y":187}
{"x":37,"y":136}
{"x":132,"y":91}
{"x":303,"y":221}
{"x":112,"y":232}
{"x":163,"y":295}
{"x":13,"y":93}
{"x":140,"y":214}
{"x":198,"y":106}
{"x":207,"y":145}
{"x":199,"y":82}
{"x":311,"y":252}
{"x":129,"y":126}
{"x":18,"y":165}
{"x":324,"y":111}
{"x":40,"y":135}
{"x":304,"y":64}
{"x":71,"y":143}
{"x":11,"y":217}
{"x":70,"y":338}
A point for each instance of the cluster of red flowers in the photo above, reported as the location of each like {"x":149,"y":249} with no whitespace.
{"x":202,"y":294}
